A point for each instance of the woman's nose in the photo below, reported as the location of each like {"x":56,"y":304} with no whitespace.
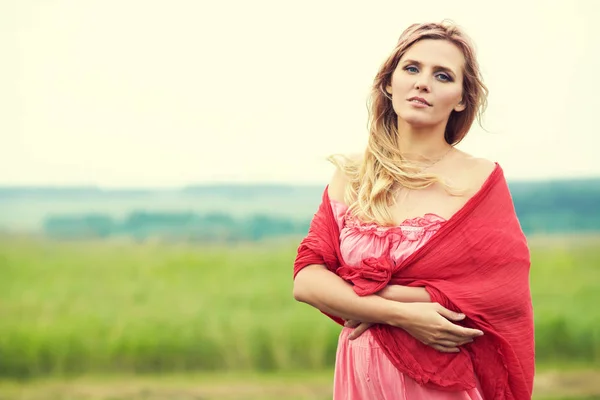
{"x":422,"y":84}
{"x":422,"y":87}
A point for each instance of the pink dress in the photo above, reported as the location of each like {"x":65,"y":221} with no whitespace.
{"x":362,"y":370}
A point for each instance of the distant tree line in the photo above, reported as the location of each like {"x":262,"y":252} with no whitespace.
{"x":568,"y":206}
{"x":140,"y":225}
{"x":542,"y":207}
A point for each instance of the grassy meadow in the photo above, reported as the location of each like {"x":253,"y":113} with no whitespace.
{"x":73,"y":309}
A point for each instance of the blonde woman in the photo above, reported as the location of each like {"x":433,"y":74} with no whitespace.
{"x":416,"y":248}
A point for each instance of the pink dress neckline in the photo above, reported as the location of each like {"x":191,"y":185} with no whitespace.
{"x":424,"y":220}
{"x":411,"y":229}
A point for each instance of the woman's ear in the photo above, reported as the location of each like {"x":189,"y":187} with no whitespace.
{"x":388,"y":89}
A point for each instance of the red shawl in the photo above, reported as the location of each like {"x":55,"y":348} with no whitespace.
{"x":477,"y":263}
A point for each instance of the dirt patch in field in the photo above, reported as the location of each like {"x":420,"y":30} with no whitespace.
{"x":568,"y":384}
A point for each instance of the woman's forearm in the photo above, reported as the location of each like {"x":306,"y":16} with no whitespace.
{"x":322,"y":289}
{"x":405,"y":294}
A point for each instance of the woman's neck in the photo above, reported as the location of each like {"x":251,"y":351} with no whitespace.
{"x":422,"y":144}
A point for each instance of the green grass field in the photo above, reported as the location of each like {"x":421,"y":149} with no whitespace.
{"x":94,"y":308}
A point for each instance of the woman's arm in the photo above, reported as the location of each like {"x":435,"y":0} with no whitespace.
{"x":399,"y":293}
{"x":405,"y":294}
{"x":317,"y":286}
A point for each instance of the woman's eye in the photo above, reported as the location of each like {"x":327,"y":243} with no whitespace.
{"x":442,"y":76}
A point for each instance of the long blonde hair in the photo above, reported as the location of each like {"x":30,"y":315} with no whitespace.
{"x":372,"y":178}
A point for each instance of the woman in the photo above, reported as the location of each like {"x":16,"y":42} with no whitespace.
{"x":416,"y":247}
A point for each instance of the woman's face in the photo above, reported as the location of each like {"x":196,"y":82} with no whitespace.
{"x":432,"y":71}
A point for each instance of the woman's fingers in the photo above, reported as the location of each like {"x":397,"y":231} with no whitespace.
{"x":445,"y":349}
{"x":457,"y":329}
{"x":451,"y":315}
{"x":455,"y":338}
{"x":462,"y":332}
{"x":351,"y":323}
{"x":359,"y":330}
{"x":451,"y":343}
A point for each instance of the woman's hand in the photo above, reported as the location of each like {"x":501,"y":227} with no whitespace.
{"x":430,"y":324}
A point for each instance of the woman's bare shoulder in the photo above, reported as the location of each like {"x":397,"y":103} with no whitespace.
{"x":475,"y":171}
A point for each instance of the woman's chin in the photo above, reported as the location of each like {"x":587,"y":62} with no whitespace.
{"x":417,"y":121}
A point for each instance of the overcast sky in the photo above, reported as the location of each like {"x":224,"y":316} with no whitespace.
{"x":166,"y":93}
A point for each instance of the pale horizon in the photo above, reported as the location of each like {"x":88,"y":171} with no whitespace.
{"x":163,"y":95}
